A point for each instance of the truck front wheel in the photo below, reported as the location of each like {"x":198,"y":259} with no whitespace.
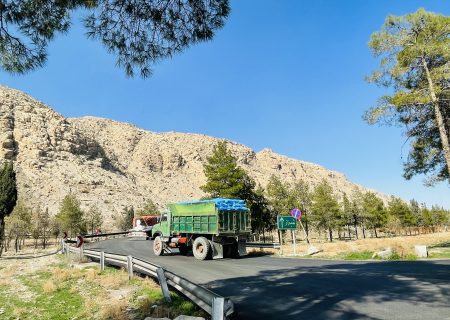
{"x":201,"y":248}
{"x":158,"y":246}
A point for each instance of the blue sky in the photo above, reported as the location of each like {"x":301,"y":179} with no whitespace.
{"x":286,"y":75}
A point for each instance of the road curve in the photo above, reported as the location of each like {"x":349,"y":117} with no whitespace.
{"x":273,"y":288}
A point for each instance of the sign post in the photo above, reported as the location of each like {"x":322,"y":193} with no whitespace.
{"x":296,"y":214}
{"x":285,"y":223}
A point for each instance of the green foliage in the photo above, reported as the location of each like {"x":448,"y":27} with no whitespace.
{"x":399,"y":209}
{"x":439,"y":216}
{"x":427,"y":217}
{"x":325,"y":208}
{"x":262,"y":217}
{"x":358,"y":255}
{"x":279,"y":195}
{"x":416,"y":212}
{"x":149,"y":209}
{"x":94,"y":219}
{"x":374,"y":213}
{"x":124,"y":221}
{"x":139,"y":32}
{"x":8,"y":189}
{"x":70,"y":216}
{"x":8,"y":196}
{"x":225,"y":178}
{"x":414,"y":62}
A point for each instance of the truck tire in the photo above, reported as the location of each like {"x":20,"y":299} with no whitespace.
{"x":184,"y":249}
{"x":201,"y":248}
{"x":158,"y":246}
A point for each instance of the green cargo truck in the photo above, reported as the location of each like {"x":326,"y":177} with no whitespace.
{"x":210,"y":228}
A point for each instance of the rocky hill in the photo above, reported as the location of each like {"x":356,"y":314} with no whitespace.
{"x":111,"y":164}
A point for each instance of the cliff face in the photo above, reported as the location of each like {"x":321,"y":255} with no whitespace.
{"x":111,"y":164}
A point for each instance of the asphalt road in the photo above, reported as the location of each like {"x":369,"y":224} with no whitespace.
{"x":273,"y":288}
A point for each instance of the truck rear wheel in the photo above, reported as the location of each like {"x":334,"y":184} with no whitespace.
{"x":201,"y":248}
{"x":158,"y":246}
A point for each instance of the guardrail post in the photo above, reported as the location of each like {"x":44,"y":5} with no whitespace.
{"x":163,"y":284}
{"x":218,"y":308}
{"x":102,"y":261}
{"x":130,"y":266}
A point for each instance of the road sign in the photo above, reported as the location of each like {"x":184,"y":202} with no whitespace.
{"x":296,"y":213}
{"x":286,"y":223}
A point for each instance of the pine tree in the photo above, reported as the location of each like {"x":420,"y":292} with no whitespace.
{"x":139,"y":32}
{"x":399,"y":209}
{"x":124,"y":221}
{"x":325,"y":209}
{"x":300,"y":197}
{"x":71,"y":216}
{"x":279,"y":195}
{"x":94,"y":219}
{"x":8,"y":196}
{"x":149,"y":209}
{"x":225,"y":179}
{"x":415,"y":57}
{"x":374,"y":212}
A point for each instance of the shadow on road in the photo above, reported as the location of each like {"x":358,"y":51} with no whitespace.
{"x":343,"y":291}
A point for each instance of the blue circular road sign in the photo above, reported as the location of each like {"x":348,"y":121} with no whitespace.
{"x":296,"y":213}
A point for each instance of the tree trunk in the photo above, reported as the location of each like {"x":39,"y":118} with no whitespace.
{"x":2,"y":235}
{"x":356,"y":229}
{"x":306,"y":226}
{"x":363,"y":231}
{"x":439,"y":118}
{"x":375,"y":230}
{"x":331,"y":234}
{"x":348,"y":229}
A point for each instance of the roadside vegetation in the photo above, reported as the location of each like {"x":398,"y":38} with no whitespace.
{"x":56,"y":288}
{"x":402,"y":247}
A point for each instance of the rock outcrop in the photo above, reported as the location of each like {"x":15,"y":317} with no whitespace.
{"x":111,"y":164}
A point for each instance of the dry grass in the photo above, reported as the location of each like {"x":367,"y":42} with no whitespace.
{"x":91,"y":274}
{"x":61,"y":275}
{"x":113,"y":281}
{"x":49,"y":287}
{"x":403,"y":245}
{"x":115,"y":310}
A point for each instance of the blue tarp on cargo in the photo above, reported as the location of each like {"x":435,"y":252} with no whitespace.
{"x":222,"y":204}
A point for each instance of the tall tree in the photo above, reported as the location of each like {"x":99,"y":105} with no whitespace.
{"x":71,"y":216}
{"x":373,"y":211}
{"x":415,"y":58}
{"x":415,"y":210}
{"x":124,"y":220}
{"x":300,"y":195}
{"x":347,"y":214}
{"x":149,"y":208}
{"x":279,"y":196}
{"x":8,"y":196}
{"x":224,"y":177}
{"x":325,"y":208}
{"x":138,"y":32}
{"x":426,"y":216}
{"x":263,"y":218}
{"x":94,"y":219}
{"x":398,"y":208}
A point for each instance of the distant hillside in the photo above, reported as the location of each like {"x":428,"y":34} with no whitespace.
{"x":112,"y":164}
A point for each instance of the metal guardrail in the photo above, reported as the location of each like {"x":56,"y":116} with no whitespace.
{"x":263,"y":245}
{"x":217,"y":306}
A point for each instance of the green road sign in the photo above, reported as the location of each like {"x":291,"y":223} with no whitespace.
{"x":286,"y":223}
